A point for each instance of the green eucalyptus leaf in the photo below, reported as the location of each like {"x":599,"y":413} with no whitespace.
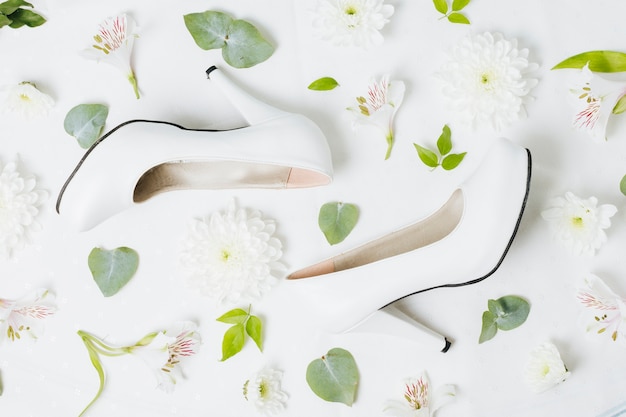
{"x":457,"y":17}
{"x":233,"y":341}
{"x":112,"y":269}
{"x":323,"y":84}
{"x":234,"y":316}
{"x":620,"y":106}
{"x":622,"y":185}
{"x":336,"y":220}
{"x":22,"y":17}
{"x":11,"y":6}
{"x":444,"y":143}
{"x":85,"y":123}
{"x":254,"y":329}
{"x":511,"y":311}
{"x":599,"y":61}
{"x":452,"y":161}
{"x":428,"y":157}
{"x":489,"y":327}
{"x":245,"y":46}
{"x":208,"y":29}
{"x":441,"y":6}
{"x":334,"y":377}
{"x":459,"y":4}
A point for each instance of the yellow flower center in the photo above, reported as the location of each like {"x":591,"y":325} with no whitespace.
{"x":25,"y":97}
{"x":577,"y":221}
{"x":351,"y":10}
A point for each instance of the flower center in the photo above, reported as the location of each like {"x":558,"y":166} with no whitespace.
{"x":486,"y":80}
{"x":351,"y":10}
{"x":225,"y":255}
{"x":25,"y":97}
{"x":545,"y":370}
{"x":578,"y":222}
{"x":263,"y":389}
{"x":416,"y":395}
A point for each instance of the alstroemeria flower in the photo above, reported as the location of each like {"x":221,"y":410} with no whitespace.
{"x":163,"y":351}
{"x":379,"y":106}
{"x":595,"y":97}
{"x":26,"y":100}
{"x":579,"y":223}
{"x":545,"y":368}
{"x":24,"y":317}
{"x":114,"y":44}
{"x":420,"y":400}
{"x":606,"y":310}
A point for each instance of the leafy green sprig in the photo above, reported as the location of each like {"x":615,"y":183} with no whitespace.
{"x":505,"y":313}
{"x":452,"y":12}
{"x":442,"y":156}
{"x":13,"y":15}
{"x":243,"y":323}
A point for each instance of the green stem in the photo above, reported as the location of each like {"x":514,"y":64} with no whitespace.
{"x":133,"y":82}
{"x":389,"y":139}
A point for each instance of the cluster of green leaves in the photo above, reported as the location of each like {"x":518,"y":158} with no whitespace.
{"x":505,"y":313}
{"x":452,"y":12}
{"x":336,"y":220}
{"x":13,"y":15}
{"x":235,"y":337}
{"x":112,"y":269}
{"x":323,"y":84}
{"x":442,"y":156}
{"x":241,"y":43}
{"x":85,"y":123}
{"x":334,"y":377}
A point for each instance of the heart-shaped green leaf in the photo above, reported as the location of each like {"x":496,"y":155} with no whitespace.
{"x":323,"y":84}
{"x":599,"y":61}
{"x":242,"y":44}
{"x":112,"y":269}
{"x":85,"y":122}
{"x":336,"y":220}
{"x":334,"y":377}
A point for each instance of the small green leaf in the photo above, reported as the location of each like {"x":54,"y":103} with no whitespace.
{"x":459,"y":4}
{"x":441,"y":6}
{"x":112,"y":269}
{"x":444,"y":143}
{"x":85,"y":123}
{"x":452,"y":161}
{"x":458,"y":18}
{"x":234,"y":316}
{"x":323,"y":84}
{"x":622,"y":185}
{"x":254,"y":328}
{"x":336,"y":220}
{"x":22,"y":17}
{"x":428,"y":157}
{"x":233,"y":341}
{"x":599,"y":61}
{"x":512,"y":312}
{"x":208,"y":29}
{"x":4,"y":21}
{"x":334,"y":377}
{"x":620,"y":106}
{"x":11,"y":6}
{"x":489,"y":327}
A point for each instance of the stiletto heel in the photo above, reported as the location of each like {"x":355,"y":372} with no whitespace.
{"x":141,"y":158}
{"x":475,"y":227}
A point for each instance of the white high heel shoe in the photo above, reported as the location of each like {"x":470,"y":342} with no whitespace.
{"x":462,"y":243}
{"x":141,"y":158}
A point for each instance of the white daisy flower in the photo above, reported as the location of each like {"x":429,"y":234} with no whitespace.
{"x":579,"y":223}
{"x":23,"y":317}
{"x":19,"y":207}
{"x":351,"y":22}
{"x":545,"y":368}
{"x":233,"y":256}
{"x":606,"y":310}
{"x":264,"y":391}
{"x":486,"y":82}
{"x":26,"y":100}
{"x":114,"y":44}
{"x":420,"y":400}
{"x":379,"y":106}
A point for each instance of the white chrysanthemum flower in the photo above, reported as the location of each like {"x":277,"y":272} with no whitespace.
{"x":19,"y":202}
{"x":379,"y":106}
{"x":594,"y":100}
{"x":114,"y":44}
{"x":545,"y":368}
{"x":579,"y":223}
{"x":233,"y":256}
{"x":606,"y":310}
{"x":26,"y":100}
{"x":420,"y":400}
{"x":23,"y":317}
{"x":264,"y":391}
{"x":352,"y":22}
{"x":486,"y":82}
